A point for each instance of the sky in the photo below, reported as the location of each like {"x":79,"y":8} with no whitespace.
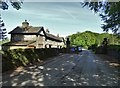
{"x":63,"y":18}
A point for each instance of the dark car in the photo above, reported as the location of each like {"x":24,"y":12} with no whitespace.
{"x":72,"y":49}
{"x":76,"y":49}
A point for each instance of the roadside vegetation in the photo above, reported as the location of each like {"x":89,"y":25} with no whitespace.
{"x":4,"y":41}
{"x":93,"y":41}
{"x":89,"y":39}
{"x":11,"y":59}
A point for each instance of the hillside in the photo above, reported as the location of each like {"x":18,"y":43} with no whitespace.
{"x":88,"y":38}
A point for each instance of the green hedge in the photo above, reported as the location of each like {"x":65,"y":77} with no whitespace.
{"x":114,"y":47}
{"x":112,"y":50}
{"x":12,"y":59}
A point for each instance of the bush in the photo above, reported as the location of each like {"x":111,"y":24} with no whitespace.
{"x":12,"y":59}
{"x":112,"y":50}
{"x":114,"y":47}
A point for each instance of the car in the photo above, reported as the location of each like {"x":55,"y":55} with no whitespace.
{"x":76,"y":49}
{"x":79,"y":49}
{"x":72,"y":49}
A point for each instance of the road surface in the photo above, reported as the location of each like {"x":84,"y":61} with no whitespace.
{"x":83,"y":69}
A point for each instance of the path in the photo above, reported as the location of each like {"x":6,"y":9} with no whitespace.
{"x":84,"y":69}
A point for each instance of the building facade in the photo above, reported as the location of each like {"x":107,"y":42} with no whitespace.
{"x":26,"y":36}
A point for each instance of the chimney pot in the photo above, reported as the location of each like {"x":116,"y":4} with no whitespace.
{"x":25,"y":24}
{"x":47,"y":31}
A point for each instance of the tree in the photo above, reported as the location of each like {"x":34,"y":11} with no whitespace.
{"x":15,"y":3}
{"x":108,"y":11}
{"x":4,"y":6}
{"x":3,"y":31}
{"x":87,"y":39}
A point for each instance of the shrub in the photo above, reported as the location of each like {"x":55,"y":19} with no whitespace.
{"x":12,"y":59}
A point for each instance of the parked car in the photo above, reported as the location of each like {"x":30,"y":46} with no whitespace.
{"x":72,"y":49}
{"x":79,"y":49}
{"x":76,"y":49}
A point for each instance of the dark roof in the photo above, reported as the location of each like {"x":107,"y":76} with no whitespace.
{"x":53,"y":37}
{"x":30,"y":30}
{"x":36,"y":31}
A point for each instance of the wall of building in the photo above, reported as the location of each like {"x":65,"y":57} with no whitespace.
{"x":17,"y":47}
{"x":13,"y":47}
{"x":54,"y":44}
{"x":18,"y":37}
{"x":40,"y":41}
{"x":29,"y":37}
{"x":15,"y":37}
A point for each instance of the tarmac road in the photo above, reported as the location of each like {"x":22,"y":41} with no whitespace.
{"x":83,"y":69}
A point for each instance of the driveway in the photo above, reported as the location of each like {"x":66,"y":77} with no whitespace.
{"x":83,"y":69}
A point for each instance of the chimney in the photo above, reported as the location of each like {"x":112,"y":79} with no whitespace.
{"x":47,"y":31}
{"x":25,"y":25}
{"x":57,"y":35}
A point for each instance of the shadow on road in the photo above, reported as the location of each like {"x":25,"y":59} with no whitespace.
{"x":83,"y":69}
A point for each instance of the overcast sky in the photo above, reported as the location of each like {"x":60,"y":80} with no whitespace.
{"x":64,"y":18}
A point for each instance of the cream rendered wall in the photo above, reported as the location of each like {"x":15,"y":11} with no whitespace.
{"x":17,"y":47}
{"x":18,"y":37}
{"x":41,"y":41}
{"x":29,"y":37}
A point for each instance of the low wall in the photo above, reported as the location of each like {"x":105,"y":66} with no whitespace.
{"x":112,"y":50}
{"x":12,"y":59}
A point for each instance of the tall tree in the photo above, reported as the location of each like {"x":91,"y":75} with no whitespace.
{"x":108,"y":11}
{"x":4,"y":4}
{"x":3,"y":31}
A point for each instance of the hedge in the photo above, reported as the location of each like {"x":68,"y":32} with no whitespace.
{"x":112,"y":50}
{"x":12,"y":59}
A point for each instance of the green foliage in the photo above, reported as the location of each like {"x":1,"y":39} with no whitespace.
{"x":4,"y":41}
{"x":114,"y":50}
{"x":12,"y":59}
{"x":108,"y":11}
{"x":88,"y":39}
{"x":4,"y":5}
{"x":114,"y":47}
{"x":15,"y":3}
